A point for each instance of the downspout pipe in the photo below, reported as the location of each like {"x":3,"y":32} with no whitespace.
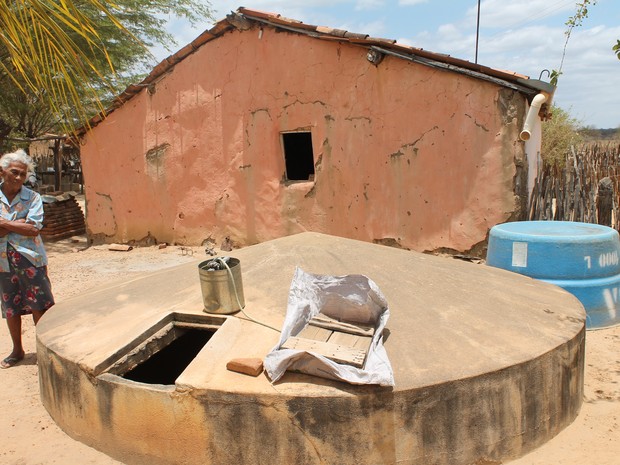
{"x":532,"y":115}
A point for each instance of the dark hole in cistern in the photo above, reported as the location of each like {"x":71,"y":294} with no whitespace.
{"x":165,"y":366}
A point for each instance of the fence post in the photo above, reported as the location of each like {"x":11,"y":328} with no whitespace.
{"x":604,"y":201}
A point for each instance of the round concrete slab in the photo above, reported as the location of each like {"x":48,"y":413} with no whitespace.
{"x":488,"y":365}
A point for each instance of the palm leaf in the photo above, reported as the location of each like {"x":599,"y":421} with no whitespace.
{"x":37,"y":51}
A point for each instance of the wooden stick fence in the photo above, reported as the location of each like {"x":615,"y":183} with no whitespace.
{"x":586,"y":189}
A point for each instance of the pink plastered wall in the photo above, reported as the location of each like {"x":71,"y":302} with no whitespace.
{"x":403,"y":153}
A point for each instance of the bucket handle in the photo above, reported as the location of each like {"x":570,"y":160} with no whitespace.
{"x":232,"y":279}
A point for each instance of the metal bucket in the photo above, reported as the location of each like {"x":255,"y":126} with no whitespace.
{"x":219,"y":292}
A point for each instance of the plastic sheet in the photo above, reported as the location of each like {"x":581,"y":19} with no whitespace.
{"x":350,"y":298}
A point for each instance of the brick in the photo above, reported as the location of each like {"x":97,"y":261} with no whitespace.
{"x":247,"y":366}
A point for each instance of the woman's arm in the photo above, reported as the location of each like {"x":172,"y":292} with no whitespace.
{"x":29,"y":224}
{"x":18,"y":226}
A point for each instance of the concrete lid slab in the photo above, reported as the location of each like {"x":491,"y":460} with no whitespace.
{"x":449,"y":319}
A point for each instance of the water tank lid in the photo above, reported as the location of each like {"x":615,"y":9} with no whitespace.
{"x":553,"y":231}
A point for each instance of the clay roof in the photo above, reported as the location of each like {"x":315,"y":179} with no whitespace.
{"x":245,"y":18}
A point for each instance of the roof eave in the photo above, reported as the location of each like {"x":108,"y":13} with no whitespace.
{"x":245,"y":18}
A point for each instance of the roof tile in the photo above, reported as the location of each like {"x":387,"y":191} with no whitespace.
{"x":203,"y":39}
{"x":331,"y":31}
{"x":185,"y":51}
{"x":258,"y":13}
{"x":355,"y":35}
{"x":380,"y":40}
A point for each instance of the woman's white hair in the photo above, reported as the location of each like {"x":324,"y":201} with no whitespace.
{"x":19,"y":156}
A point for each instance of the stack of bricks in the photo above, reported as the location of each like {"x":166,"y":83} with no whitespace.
{"x":63,"y":216}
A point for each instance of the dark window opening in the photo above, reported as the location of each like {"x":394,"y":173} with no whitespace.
{"x":165,"y":366}
{"x":298,"y":156}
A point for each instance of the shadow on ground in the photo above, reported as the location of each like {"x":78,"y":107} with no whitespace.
{"x":71,"y":244}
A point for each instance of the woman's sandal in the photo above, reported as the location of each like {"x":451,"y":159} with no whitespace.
{"x":9,"y":362}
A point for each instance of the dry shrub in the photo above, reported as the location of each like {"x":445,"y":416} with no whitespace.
{"x":558,"y":135}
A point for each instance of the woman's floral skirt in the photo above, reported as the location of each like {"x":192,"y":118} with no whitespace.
{"x":25,"y":287}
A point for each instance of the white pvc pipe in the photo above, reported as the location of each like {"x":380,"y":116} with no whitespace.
{"x":532,"y":114}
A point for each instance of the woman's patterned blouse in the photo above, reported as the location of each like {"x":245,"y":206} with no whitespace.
{"x":29,"y":206}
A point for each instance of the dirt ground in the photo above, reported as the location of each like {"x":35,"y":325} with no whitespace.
{"x":28,"y":436}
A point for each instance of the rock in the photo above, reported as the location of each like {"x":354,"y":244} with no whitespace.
{"x":120,"y":247}
{"x":227,"y":244}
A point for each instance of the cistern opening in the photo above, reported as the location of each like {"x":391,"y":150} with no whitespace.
{"x":165,"y":366}
{"x":162,"y":353}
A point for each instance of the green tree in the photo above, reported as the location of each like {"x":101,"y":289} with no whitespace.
{"x":558,"y":135}
{"x":64,"y":58}
{"x":24,"y":112}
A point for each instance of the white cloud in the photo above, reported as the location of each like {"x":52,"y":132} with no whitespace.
{"x":587,"y":87}
{"x":223,"y":7}
{"x":514,"y":13}
{"x":284,"y":7}
{"x":534,"y":39}
{"x":374,"y":28}
{"x":362,"y":5}
{"x":411,"y":2}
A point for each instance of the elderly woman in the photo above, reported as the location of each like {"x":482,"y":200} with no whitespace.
{"x":24,"y":284}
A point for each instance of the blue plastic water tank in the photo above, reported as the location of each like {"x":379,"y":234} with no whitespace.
{"x":582,"y":258}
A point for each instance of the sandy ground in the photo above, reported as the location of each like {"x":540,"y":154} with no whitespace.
{"x":28,"y":436}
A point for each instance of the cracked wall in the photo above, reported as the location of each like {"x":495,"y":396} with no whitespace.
{"x":404,"y":154}
{"x":101,"y":206}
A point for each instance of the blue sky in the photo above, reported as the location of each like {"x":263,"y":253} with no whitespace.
{"x":526,"y":36}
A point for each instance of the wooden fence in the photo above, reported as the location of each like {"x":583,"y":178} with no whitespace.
{"x":586,"y":189}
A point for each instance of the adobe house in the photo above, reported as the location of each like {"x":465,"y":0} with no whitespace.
{"x":264,"y":127}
